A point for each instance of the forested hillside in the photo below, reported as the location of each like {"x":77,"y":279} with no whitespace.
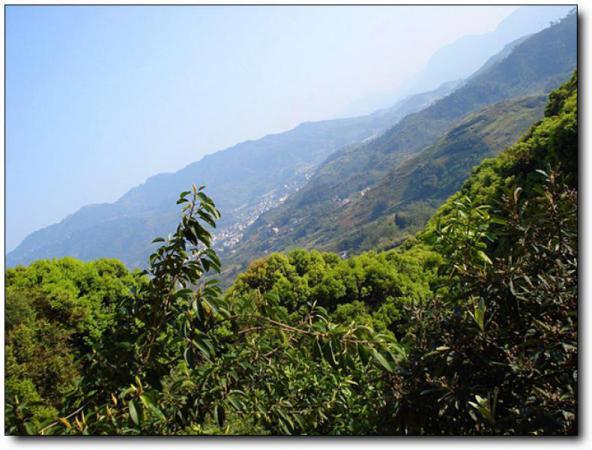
{"x":352,"y":201}
{"x":407,"y":196}
{"x":470,"y":328}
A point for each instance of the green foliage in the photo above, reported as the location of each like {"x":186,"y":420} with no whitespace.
{"x":495,"y":352}
{"x":499,"y":353}
{"x":55,"y":311}
{"x":179,"y":358}
{"x":376,"y":280}
{"x":470,"y":328}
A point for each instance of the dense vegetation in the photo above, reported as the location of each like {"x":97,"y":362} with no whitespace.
{"x":468,"y":328}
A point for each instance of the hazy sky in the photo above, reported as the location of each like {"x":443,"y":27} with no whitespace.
{"x":100,"y":98}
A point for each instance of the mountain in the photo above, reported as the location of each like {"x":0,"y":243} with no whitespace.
{"x":246,"y":180}
{"x":356,"y":194}
{"x":302,"y":176}
{"x":469,"y":53}
{"x":405,"y":198}
{"x":464,"y":56}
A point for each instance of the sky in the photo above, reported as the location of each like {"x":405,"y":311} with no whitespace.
{"x":98,"y":99}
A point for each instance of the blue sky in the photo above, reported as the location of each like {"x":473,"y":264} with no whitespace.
{"x":100,"y":98}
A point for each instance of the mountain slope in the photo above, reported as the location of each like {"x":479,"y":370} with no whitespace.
{"x":315,"y":214}
{"x":408,"y":195}
{"x":245,"y":179}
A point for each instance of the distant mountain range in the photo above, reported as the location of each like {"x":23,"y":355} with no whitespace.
{"x":344,"y":184}
{"x":381,"y":191}
{"x":461,"y":58}
{"x":245,"y":180}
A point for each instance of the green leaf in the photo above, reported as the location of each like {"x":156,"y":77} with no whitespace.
{"x":479,"y":314}
{"x":206,"y":218}
{"x":185,"y":293}
{"x":282,"y":413}
{"x":236,"y":403}
{"x":135,"y":411}
{"x":150,"y":404}
{"x":204,"y":346}
{"x":499,"y":220}
{"x":189,"y":357}
{"x":364,"y":353}
{"x":219,"y":415}
{"x":484,"y":257}
{"x":205,"y":199}
{"x":380,"y":359}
